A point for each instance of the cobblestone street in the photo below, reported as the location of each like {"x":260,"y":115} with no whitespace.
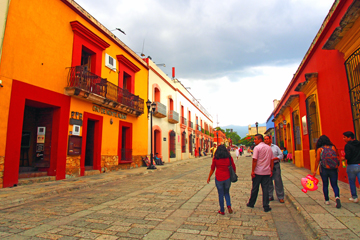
{"x":169,"y":203}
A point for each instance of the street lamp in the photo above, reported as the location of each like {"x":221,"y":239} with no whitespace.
{"x":217,"y":137}
{"x":151,"y":106}
{"x":257,"y":124}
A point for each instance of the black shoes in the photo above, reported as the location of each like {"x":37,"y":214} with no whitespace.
{"x":267,"y":209}
{"x":338,"y":203}
{"x":271,"y":198}
{"x":248,"y":205}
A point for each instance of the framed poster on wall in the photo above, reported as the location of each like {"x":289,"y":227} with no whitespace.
{"x":304,"y":125}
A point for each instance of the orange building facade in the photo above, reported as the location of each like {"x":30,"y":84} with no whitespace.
{"x":72,"y":96}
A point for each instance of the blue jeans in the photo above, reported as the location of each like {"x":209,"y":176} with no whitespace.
{"x":223,"y":188}
{"x":353,"y":171}
{"x":331,"y":174}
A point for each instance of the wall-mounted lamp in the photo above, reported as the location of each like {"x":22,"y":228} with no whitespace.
{"x":111,"y":121}
{"x":72,"y":114}
{"x":1,"y":83}
{"x":80,"y":116}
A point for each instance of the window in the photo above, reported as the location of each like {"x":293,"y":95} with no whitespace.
{"x":183,"y":142}
{"x":127,"y":71}
{"x":353,"y":75}
{"x":125,"y":142}
{"x":312,"y":120}
{"x":296,"y":124}
{"x":171,"y":104}
{"x":172,"y":142}
{"x":110,"y":62}
{"x":157,"y":95}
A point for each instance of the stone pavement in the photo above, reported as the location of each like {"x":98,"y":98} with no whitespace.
{"x":326,"y":221}
{"x":173,"y":202}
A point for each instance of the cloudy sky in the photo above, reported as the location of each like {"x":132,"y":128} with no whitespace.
{"x":237,"y":56}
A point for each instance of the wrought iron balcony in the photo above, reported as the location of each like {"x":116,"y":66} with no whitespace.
{"x":90,"y":87}
{"x":160,"y":110}
{"x":173,"y":117}
{"x":191,"y":124}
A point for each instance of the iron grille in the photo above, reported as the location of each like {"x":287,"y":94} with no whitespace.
{"x":172,"y":143}
{"x":190,"y":144}
{"x":79,"y":77}
{"x":312,"y":120}
{"x":352,"y":65}
{"x":296,"y":124}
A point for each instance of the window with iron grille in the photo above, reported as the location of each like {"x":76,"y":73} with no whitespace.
{"x":312,"y":120}
{"x":172,"y":142}
{"x":352,"y":65}
{"x":296,"y":124}
{"x":190,"y":144}
{"x":183,"y":142}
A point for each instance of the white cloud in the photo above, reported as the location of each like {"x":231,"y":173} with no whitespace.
{"x":243,"y":52}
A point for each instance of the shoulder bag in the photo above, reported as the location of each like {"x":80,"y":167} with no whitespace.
{"x":233,"y":176}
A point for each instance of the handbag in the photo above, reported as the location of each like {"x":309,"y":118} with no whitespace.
{"x":233,"y":176}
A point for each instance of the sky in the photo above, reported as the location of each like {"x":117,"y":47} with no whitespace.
{"x":237,"y":56}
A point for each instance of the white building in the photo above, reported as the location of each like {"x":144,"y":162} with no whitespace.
{"x":180,"y":123}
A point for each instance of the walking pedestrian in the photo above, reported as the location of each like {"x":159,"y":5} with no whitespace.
{"x":220,"y":164}
{"x":213,"y":150}
{"x":352,"y":156}
{"x":237,"y":152}
{"x":241,"y":151}
{"x":327,"y":156}
{"x":262,"y":166}
{"x":276,"y":177}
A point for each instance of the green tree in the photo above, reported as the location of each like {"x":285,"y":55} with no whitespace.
{"x":247,"y":141}
{"x":235,"y":138}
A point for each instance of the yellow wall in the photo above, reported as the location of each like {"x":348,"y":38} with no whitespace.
{"x":37,"y":49}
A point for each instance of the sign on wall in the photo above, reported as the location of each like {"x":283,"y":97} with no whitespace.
{"x":304,"y":125}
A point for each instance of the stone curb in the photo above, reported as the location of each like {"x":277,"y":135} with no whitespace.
{"x":311,"y":223}
{"x":83,"y":184}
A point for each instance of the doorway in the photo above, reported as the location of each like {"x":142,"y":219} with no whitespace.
{"x":89,"y":152}
{"x":35,"y":150}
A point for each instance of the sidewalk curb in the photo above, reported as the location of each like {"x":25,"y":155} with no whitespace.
{"x":80,"y":183}
{"x":311,"y":223}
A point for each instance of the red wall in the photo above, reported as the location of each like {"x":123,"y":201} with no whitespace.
{"x":332,"y":86}
{"x":61,"y":104}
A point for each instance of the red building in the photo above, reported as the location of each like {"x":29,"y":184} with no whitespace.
{"x":317,"y":100}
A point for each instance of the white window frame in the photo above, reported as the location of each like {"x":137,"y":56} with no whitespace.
{"x":107,"y":62}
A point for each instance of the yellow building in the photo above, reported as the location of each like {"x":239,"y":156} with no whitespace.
{"x":72,"y":96}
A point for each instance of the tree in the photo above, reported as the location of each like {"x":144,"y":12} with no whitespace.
{"x":235,"y":138}
{"x":247,"y":141}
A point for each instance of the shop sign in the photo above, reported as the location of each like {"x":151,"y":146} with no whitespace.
{"x":108,"y":112}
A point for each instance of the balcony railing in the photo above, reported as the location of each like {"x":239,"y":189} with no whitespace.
{"x":126,"y":154}
{"x":173,"y":117}
{"x":160,"y":110}
{"x":182,"y":120}
{"x":93,"y":88}
{"x":191,"y":124}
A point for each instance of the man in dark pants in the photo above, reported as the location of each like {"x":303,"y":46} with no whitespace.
{"x":262,"y":167}
{"x":276,"y":177}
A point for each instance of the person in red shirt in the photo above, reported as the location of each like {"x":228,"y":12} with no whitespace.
{"x":221,"y":163}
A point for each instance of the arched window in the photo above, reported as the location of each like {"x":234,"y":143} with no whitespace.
{"x":172,"y":142}
{"x":156,"y":95}
{"x":312,"y":120}
{"x":353,"y":76}
{"x":296,"y":125}
{"x":183,"y":142}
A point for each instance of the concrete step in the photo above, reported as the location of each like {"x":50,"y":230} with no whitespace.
{"x":32,"y":174}
{"x":26,"y":181}
{"x":91,"y":172}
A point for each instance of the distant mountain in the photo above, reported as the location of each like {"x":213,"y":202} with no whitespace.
{"x":241,"y":130}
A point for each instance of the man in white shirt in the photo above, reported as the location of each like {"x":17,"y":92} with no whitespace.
{"x":261,"y":172}
{"x":276,"y":177}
